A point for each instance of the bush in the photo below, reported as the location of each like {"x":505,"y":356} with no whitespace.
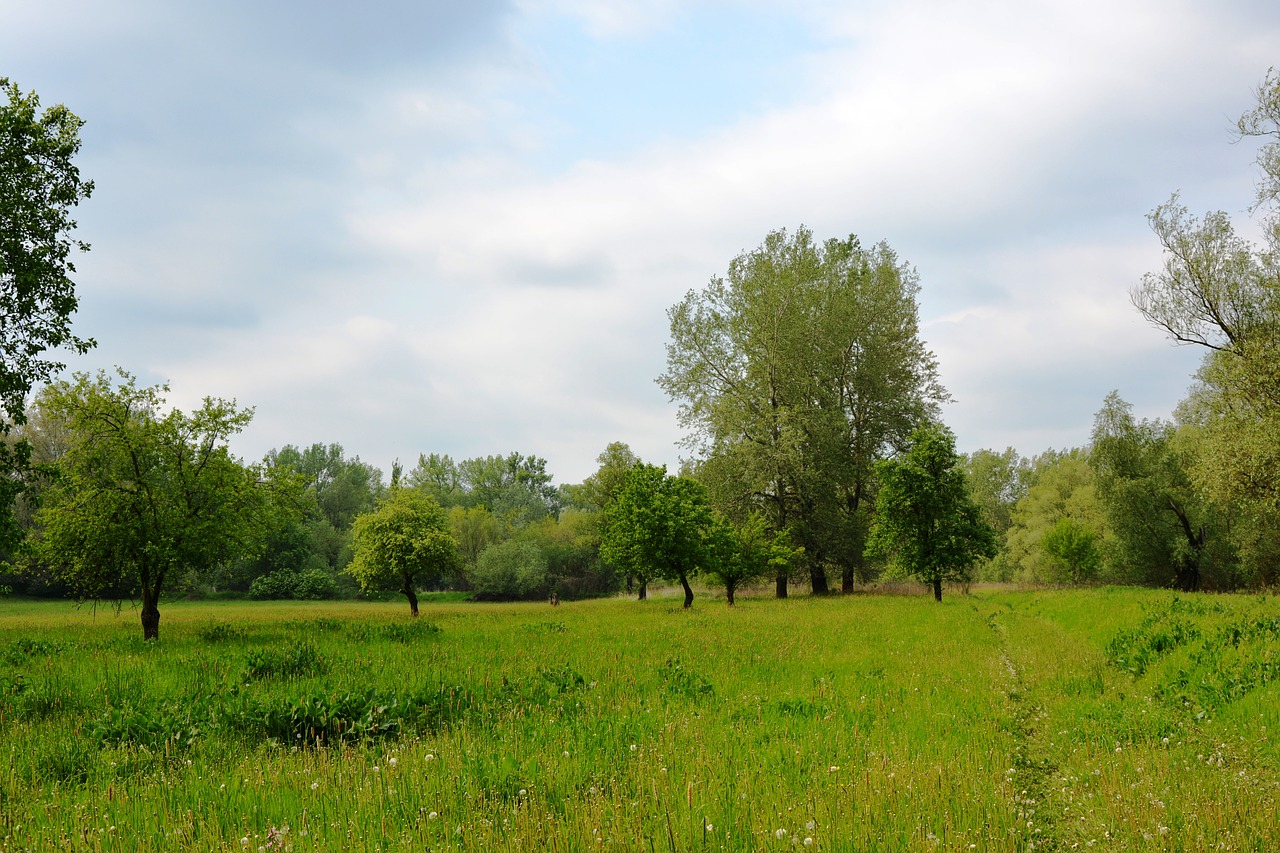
{"x":314,"y":585}
{"x":511,"y":569}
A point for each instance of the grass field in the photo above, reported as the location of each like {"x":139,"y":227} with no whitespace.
{"x":1108,"y":719}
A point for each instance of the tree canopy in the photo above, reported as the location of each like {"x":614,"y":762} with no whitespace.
{"x":39,"y":186}
{"x":925,"y":520}
{"x":795,"y":373}
{"x":142,"y":494}
{"x":659,"y":526}
{"x":403,"y":543}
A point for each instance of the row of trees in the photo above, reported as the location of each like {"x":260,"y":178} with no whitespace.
{"x":1189,"y":501}
{"x":813,"y":410}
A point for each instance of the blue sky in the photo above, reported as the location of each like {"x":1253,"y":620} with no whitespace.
{"x":437,"y":227}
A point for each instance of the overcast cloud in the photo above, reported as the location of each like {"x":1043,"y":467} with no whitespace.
{"x":456,"y":227}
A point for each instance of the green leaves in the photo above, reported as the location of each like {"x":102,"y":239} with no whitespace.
{"x":402,"y":543}
{"x":925,"y":520}
{"x":142,"y":494}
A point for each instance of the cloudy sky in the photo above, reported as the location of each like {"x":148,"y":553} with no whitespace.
{"x":422,"y":225}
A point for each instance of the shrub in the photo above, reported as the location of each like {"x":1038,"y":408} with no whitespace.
{"x":511,"y":569}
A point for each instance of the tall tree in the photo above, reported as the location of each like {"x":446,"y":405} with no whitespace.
{"x":1159,"y":524}
{"x":795,"y":373}
{"x":660,"y":526}
{"x":925,"y":520}
{"x":402,"y":544}
{"x":1219,"y":291}
{"x":143,"y":494}
{"x":39,"y":186}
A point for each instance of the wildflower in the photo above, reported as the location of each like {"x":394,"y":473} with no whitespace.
{"x":710,"y":828}
{"x":810,"y":825}
{"x":244,"y":842}
{"x":523,"y":792}
{"x":430,"y":757}
{"x":433,"y":815}
{"x":392,"y":761}
{"x":779,"y":833}
{"x":808,"y":842}
{"x":633,"y":747}
{"x":315,"y":786}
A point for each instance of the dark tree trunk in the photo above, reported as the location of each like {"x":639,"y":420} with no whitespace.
{"x":937,"y":589}
{"x":151,"y":603}
{"x":150,"y":618}
{"x":780,"y":590}
{"x":728,"y":591}
{"x":630,"y":578}
{"x":847,"y":579}
{"x":413,"y":599}
{"x":818,"y":579}
{"x":644,"y":590}
{"x":688,"y":592}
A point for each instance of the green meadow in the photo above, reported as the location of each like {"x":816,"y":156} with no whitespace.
{"x":1114,"y":719}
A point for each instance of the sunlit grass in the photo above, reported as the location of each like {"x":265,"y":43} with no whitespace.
{"x":989,"y":722}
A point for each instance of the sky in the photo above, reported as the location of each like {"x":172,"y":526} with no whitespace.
{"x":415,"y":226}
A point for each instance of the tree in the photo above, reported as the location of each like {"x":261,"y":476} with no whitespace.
{"x":742,"y":555}
{"x":997,"y":481}
{"x":1062,"y":485}
{"x":1219,"y":291}
{"x":513,"y":569}
{"x":1073,"y":548}
{"x":659,"y":526}
{"x":141,"y":494}
{"x":39,"y":186}
{"x":401,"y":544}
{"x":925,"y":520}
{"x":1159,"y":524}
{"x":795,"y":374}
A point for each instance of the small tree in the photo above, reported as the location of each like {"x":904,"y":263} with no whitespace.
{"x":748,"y":553}
{"x":1073,"y":549}
{"x":925,"y":520}
{"x":403,"y":542}
{"x":659,"y":526}
{"x":142,"y":495}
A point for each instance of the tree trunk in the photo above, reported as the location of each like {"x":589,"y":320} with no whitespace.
{"x":413,"y":599}
{"x":847,"y":579}
{"x":728,"y":591}
{"x":818,"y":578}
{"x":780,"y":590}
{"x":937,"y":589}
{"x":688,"y":592}
{"x":644,"y":590}
{"x":150,"y":618}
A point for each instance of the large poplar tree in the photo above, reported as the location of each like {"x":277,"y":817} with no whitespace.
{"x":795,"y":373}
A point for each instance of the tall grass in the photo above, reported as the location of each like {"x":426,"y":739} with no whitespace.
{"x":1006,"y":721}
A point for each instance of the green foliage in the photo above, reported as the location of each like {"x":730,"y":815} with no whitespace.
{"x":748,"y":553}
{"x":1218,"y":290}
{"x":405,"y":542}
{"x":1061,"y":485}
{"x":297,"y":660}
{"x":660,"y":526}
{"x":141,"y":494}
{"x":925,"y":521}
{"x":1073,"y":549}
{"x":39,"y":187}
{"x":795,"y":374}
{"x":515,"y":569}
